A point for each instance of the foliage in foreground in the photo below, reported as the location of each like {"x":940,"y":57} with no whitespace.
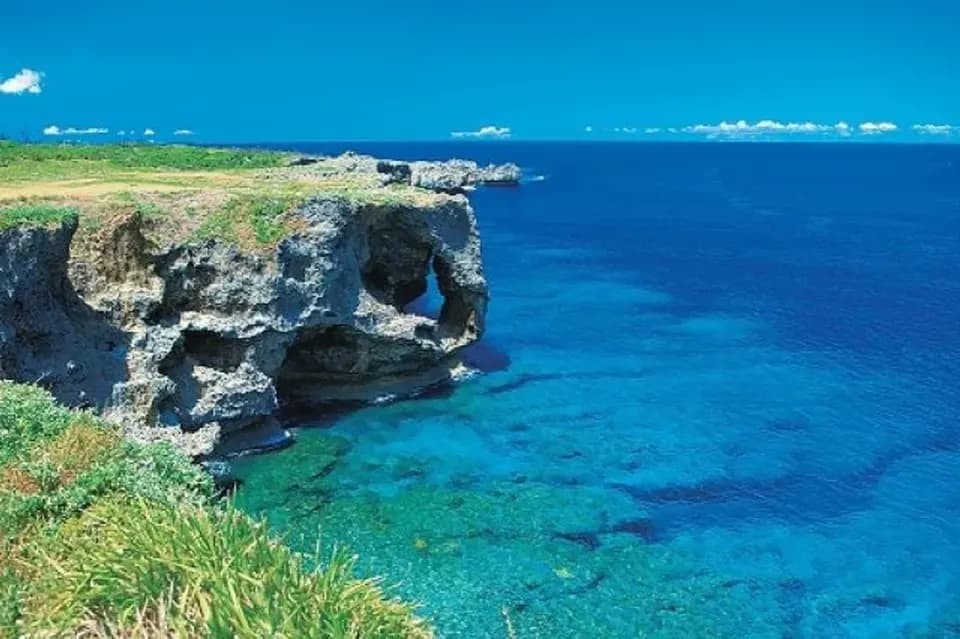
{"x":102,"y":537}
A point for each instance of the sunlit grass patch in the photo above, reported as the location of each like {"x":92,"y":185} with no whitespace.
{"x":252,"y":221}
{"x":105,"y":538}
{"x":83,"y":445}
{"x":28,"y":415}
{"x":203,"y":573}
{"x":34,"y":215}
{"x":245,"y":198}
{"x":49,"y":466}
{"x":55,"y":462}
{"x":137,"y":156}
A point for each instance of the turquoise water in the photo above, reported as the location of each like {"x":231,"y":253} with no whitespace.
{"x":721,"y":398}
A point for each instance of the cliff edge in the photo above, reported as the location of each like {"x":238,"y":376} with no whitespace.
{"x":185,"y":304}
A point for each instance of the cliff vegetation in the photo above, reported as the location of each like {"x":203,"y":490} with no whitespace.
{"x":243,"y":197}
{"x":103,"y":537}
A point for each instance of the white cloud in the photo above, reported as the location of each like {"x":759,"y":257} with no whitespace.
{"x":484,"y":132}
{"x":935,"y":129}
{"x":55,"y":130}
{"x":651,"y":130}
{"x":149,"y":132}
{"x":183,"y":132}
{"x":745,"y":129}
{"x":873,"y":128}
{"x":27,"y":81}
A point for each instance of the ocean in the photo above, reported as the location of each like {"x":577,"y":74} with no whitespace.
{"x":719,"y":396}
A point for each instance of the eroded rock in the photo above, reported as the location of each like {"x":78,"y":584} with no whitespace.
{"x":455,"y":176}
{"x":186,"y":341}
{"x":48,"y":334}
{"x":449,"y":176}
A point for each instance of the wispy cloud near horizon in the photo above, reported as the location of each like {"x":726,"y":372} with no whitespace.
{"x":489,"y":131}
{"x":183,"y":132}
{"x":745,"y":129}
{"x":774,"y":129}
{"x":54,"y":130}
{"x":27,"y":81}
{"x":935,"y":129}
{"x":874,"y":128}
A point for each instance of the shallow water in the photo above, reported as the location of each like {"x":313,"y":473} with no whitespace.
{"x":731,"y":405}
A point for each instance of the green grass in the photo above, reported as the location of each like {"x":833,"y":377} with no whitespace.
{"x":123,"y":557}
{"x":181,"y":193}
{"x":55,"y":462}
{"x":34,"y":215}
{"x":252,"y":221}
{"x":141,"y":156}
{"x":105,"y":538}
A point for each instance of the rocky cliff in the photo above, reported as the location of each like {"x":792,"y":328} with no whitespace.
{"x":185,"y":340}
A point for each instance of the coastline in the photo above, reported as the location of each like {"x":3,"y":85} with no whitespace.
{"x":189,"y":293}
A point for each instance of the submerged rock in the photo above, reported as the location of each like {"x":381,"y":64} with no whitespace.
{"x":189,"y":340}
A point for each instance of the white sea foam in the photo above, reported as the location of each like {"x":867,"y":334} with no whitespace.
{"x":462,"y":372}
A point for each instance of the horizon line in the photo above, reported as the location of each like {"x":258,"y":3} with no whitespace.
{"x":200,"y":141}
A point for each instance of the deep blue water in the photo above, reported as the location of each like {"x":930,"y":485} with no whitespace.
{"x":732,"y":404}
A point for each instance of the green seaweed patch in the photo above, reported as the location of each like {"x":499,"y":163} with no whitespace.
{"x":309,"y":489}
{"x":510,"y":551}
{"x":35,"y":215}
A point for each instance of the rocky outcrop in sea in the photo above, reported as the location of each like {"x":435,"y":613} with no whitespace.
{"x":189,"y":341}
{"x":449,"y":176}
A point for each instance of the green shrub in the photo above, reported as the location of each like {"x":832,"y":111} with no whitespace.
{"x":252,"y":221}
{"x":55,"y":462}
{"x":28,"y":415}
{"x":142,"y":156}
{"x":34,"y":215}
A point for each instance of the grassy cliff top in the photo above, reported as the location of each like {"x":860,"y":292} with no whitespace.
{"x":242,"y":196}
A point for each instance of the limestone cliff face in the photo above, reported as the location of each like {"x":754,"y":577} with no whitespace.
{"x":184,"y":341}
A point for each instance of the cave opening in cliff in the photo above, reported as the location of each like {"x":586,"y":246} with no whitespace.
{"x":213,"y":350}
{"x":430,"y":302}
{"x":323,"y":356}
{"x":397,"y":267}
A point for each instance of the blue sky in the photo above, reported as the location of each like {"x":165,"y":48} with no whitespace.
{"x":283,"y":70}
